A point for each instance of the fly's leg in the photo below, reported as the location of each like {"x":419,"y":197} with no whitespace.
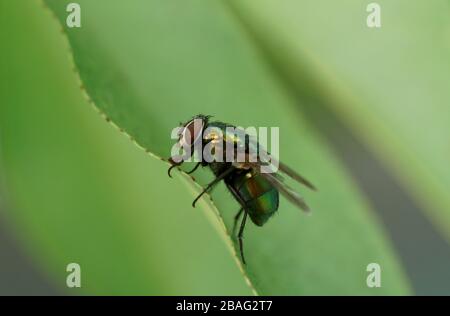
{"x":174,"y":164}
{"x":236,"y":218}
{"x":170,"y":170}
{"x":179,"y":164}
{"x":214,"y":182}
{"x":195,"y":168}
{"x":241,"y":236}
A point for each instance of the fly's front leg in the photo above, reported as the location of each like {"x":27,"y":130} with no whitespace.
{"x":195,"y":168}
{"x":214,"y":182}
{"x":174,"y":164}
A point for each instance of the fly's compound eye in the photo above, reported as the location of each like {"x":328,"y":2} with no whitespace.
{"x":192,"y":132}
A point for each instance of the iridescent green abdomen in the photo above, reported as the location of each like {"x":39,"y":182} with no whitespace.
{"x":259,"y":196}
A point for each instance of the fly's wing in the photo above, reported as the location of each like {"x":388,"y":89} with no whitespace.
{"x":286,"y":191}
{"x":294,"y":175}
{"x":254,"y":146}
{"x":277,"y":181}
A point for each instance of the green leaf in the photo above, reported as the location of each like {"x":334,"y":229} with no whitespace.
{"x":79,"y":191}
{"x":390,"y":84}
{"x":146,"y":65}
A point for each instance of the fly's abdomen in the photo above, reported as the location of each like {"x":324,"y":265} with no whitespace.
{"x":260,"y":197}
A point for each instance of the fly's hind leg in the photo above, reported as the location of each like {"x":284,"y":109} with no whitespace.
{"x":236,"y":218}
{"x":241,"y":235}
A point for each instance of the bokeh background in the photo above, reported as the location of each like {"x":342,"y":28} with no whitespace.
{"x":76,"y":188}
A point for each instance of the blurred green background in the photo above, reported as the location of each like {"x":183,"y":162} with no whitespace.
{"x":363,"y":113}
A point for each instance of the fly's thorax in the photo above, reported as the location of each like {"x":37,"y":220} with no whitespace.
{"x":227,"y":143}
{"x":217,"y":143}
